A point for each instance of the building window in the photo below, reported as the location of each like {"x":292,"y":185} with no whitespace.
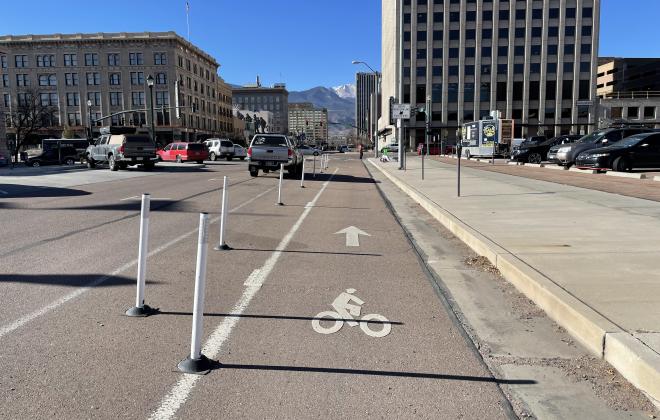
{"x":453,"y":53}
{"x":91,"y":59}
{"x":5,"y":80}
{"x":454,"y":35}
{"x":163,"y":98}
{"x":468,"y":92}
{"x":537,"y":14}
{"x":160,"y":59}
{"x":570,"y":13}
{"x":503,"y":33}
{"x":437,"y":53}
{"x":487,"y":33}
{"x":518,"y":68}
{"x":137,"y":98}
{"x":115,"y":99}
{"x":485,"y":69}
{"x":73,"y":99}
{"x":553,"y":13}
{"x":47,"y":80}
{"x":137,"y":78}
{"x":70,"y":60}
{"x":421,"y":71}
{"x":135,"y":59}
{"x":436,"y":92}
{"x":115,"y":79}
{"x":567,"y":90}
{"x":22,"y":80}
{"x":421,"y":94}
{"x":469,"y":52}
{"x":502,"y":68}
{"x":502,"y":51}
{"x":569,"y":31}
{"x":437,"y":35}
{"x":73,"y":118}
{"x":49,"y":99}
{"x":552,"y":68}
{"x":519,"y":50}
{"x":569,"y":49}
{"x":46,"y":60}
{"x":537,"y":32}
{"x":486,"y":52}
{"x":21,"y":61}
{"x":484,"y":92}
{"x":3,"y":61}
{"x":71,"y":79}
{"x":487,"y":15}
{"x":161,"y":78}
{"x":552,"y":49}
{"x":421,"y":54}
{"x":437,"y":71}
{"x":649,"y":112}
{"x":95,"y":97}
{"x":113,"y":59}
{"x":452,"y":92}
{"x":179,"y":61}
{"x":93,"y":79}
{"x":587,"y":12}
{"x":568,"y":67}
{"x":469,"y":70}
{"x":421,"y":36}
{"x":453,"y":70}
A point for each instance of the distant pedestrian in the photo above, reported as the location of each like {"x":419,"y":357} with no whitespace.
{"x":361,"y":151}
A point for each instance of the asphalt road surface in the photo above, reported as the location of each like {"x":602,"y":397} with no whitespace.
{"x":67,"y":275}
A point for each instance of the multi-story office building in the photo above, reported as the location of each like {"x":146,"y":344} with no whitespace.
{"x":534,"y":61}
{"x":111,"y":73}
{"x":365,"y":102}
{"x":259,"y":98}
{"x":305,"y":119}
{"x":225,"y":109}
{"x":618,"y":75}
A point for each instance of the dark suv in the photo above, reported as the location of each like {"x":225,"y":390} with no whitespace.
{"x":638,"y":151}
{"x":566,"y":155}
{"x":537,"y":152}
{"x":56,"y":156}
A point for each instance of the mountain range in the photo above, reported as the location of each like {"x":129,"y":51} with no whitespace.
{"x":339,"y":101}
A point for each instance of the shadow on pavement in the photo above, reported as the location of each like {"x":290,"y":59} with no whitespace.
{"x":357,"y":254}
{"x":339,"y":178}
{"x":502,"y":195}
{"x":296,"y":318}
{"x":28,"y":191}
{"x":72,"y":280}
{"x":418,"y":375}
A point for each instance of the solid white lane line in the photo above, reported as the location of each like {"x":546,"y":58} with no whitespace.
{"x":184,"y":386}
{"x":129,"y":198}
{"x":7,"y":328}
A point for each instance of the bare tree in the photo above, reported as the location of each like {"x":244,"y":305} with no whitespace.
{"x":29,"y":115}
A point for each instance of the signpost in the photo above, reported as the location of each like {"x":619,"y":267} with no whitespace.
{"x":400,"y":112}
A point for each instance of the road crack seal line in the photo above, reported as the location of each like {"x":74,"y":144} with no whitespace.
{"x":8,"y":328}
{"x":184,"y":386}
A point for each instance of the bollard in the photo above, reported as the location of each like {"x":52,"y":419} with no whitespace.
{"x":197,"y":363}
{"x":279,"y":190}
{"x":222,"y":244}
{"x":140,"y":309}
{"x":314,"y":172}
{"x":302,"y":175}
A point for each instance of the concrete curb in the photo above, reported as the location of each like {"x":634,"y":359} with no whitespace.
{"x":626,"y":175}
{"x":555,"y":167}
{"x":636,"y":362}
{"x":583,"y":171}
{"x":535,"y":165}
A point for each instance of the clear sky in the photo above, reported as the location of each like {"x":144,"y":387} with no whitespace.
{"x":304,"y":43}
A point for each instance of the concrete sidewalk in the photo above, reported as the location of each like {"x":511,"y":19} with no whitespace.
{"x":589,"y":259}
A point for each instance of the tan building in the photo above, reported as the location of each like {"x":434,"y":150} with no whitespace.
{"x":259,"y":98}
{"x":305,"y":119}
{"x":534,"y":61}
{"x":111,"y":73}
{"x":618,"y":75}
{"x":225,"y":114}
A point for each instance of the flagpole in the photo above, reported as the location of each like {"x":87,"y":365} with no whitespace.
{"x":188,"y":19}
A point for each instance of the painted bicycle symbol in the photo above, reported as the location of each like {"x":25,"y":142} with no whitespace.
{"x":346,"y":312}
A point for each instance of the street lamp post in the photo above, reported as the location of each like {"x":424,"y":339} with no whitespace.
{"x":150,"y":83}
{"x":89,"y":120}
{"x":375,"y":111}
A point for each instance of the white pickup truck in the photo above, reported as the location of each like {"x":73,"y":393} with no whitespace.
{"x":220,"y":148}
{"x":268,"y":151}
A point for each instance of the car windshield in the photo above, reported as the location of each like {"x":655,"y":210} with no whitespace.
{"x":269,"y":141}
{"x":593,"y":137}
{"x":137,"y":139}
{"x":196,"y":146}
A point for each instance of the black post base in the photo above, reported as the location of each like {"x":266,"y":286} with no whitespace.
{"x":280,"y":204}
{"x":223,"y":247}
{"x":201,"y":366}
{"x":146,"y":310}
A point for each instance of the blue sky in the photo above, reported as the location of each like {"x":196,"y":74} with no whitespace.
{"x":304,"y":43}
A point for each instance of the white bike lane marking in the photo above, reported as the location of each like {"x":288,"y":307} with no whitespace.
{"x":346,"y":312}
{"x":6,"y":329}
{"x":184,"y":386}
{"x":352,"y":235}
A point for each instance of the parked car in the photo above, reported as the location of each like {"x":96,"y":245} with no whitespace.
{"x":80,"y":145}
{"x":343,"y":148}
{"x":535,"y":152}
{"x":268,"y":151}
{"x":4,"y":161}
{"x":220,"y":148}
{"x":184,"y":152}
{"x":567,"y":154}
{"x":637,"y":151}
{"x":120,"y":147}
{"x":240,"y":152}
{"x":63,"y":155}
{"x":309,"y":150}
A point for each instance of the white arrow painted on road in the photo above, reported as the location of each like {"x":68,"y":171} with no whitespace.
{"x":352,"y":235}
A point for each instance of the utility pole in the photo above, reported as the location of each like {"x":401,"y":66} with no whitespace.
{"x":399,"y":122}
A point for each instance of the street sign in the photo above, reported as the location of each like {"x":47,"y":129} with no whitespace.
{"x":400,"y":111}
{"x":584,"y":103}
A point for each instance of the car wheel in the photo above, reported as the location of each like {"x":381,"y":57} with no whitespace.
{"x":36,"y":164}
{"x":242,"y":158}
{"x":467,"y":154}
{"x":112,"y":163}
{"x":149,"y":166}
{"x":213,"y":156}
{"x":229,"y":158}
{"x":69,"y":161}
{"x":200,"y":161}
{"x":620,"y":164}
{"x":90,"y":163}
{"x":254,"y":172}
{"x":178,"y":159}
{"x":534,"y":158}
{"x":316,"y":153}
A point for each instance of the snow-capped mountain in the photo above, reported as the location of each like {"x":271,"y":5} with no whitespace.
{"x":345,"y":91}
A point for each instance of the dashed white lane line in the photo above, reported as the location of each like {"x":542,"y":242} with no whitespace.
{"x":12,"y":326}
{"x":137,"y":197}
{"x":129,"y":198}
{"x":184,"y":386}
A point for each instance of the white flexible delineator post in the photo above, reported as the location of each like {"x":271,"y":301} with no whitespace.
{"x":222,"y":244}
{"x":279,"y":190}
{"x":140,"y":309}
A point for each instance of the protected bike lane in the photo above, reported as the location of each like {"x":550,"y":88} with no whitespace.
{"x":303,"y":348}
